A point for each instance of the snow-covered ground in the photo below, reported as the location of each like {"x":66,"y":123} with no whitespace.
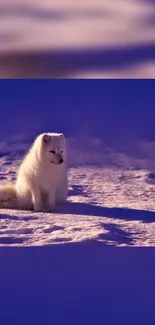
{"x":108,"y":204}
{"x":103,"y":38}
{"x":65,"y":267}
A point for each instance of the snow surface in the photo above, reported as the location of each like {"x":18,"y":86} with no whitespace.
{"x":105,"y":204}
{"x":64,"y":267}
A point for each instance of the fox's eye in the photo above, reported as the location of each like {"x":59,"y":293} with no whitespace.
{"x":61,"y":151}
{"x":52,"y":151}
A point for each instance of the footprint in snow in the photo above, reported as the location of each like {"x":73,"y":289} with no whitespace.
{"x":53,"y":228}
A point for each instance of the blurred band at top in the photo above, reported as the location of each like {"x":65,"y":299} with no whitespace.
{"x":77,"y":38}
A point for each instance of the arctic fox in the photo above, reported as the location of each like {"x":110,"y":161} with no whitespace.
{"x":42,"y":181}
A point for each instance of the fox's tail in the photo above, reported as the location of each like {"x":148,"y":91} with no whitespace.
{"x":8,"y":197}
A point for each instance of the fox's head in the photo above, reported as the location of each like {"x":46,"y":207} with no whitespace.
{"x":54,"y":147}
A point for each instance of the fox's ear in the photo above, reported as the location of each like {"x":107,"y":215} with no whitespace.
{"x":62,"y":136}
{"x":46,"y":138}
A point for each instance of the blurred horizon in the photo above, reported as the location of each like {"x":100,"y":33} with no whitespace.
{"x":80,"y":39}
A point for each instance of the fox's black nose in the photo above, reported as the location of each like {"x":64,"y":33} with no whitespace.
{"x":61,"y":161}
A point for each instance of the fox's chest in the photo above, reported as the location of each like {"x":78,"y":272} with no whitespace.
{"x":49,"y":178}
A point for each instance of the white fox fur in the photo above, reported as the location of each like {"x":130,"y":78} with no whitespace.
{"x":42,"y":177}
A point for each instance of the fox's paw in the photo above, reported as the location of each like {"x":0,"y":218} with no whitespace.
{"x":37,"y":208}
{"x":50,"y":209}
